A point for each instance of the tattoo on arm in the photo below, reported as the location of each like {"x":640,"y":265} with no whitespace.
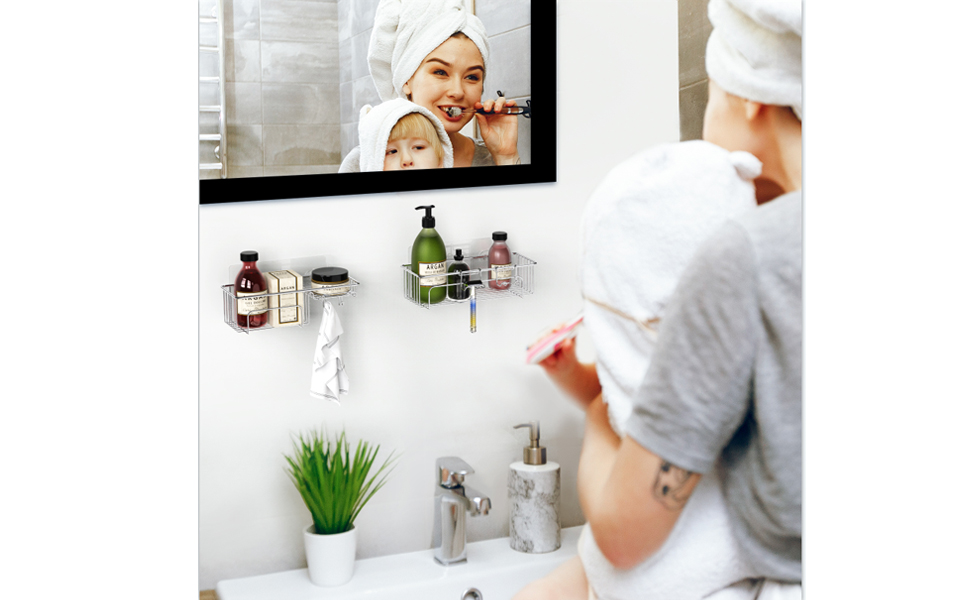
{"x":672,"y":487}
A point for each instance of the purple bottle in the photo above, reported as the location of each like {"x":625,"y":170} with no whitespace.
{"x":499,"y":262}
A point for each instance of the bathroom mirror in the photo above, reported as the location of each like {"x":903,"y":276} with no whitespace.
{"x":282,"y":84}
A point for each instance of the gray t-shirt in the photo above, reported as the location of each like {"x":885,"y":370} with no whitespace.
{"x":726,"y":380}
{"x":482,"y":158}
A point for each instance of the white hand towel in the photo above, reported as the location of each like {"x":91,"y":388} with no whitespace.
{"x":375,"y":127}
{"x":641,"y":227}
{"x":329,"y":379}
{"x":406,"y":31}
{"x":755,"y":50}
{"x":699,"y":557}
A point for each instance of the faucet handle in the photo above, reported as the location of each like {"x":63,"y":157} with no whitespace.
{"x":452,"y":471}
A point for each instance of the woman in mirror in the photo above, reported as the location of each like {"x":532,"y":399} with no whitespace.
{"x":435,"y":54}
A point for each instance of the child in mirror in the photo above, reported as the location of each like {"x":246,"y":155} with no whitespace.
{"x":399,"y":135}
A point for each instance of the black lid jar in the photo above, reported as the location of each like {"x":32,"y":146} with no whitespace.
{"x":330,"y":281}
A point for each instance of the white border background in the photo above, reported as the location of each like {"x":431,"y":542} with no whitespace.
{"x":98,"y":437}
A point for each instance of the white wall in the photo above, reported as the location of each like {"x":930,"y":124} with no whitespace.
{"x":618,"y":80}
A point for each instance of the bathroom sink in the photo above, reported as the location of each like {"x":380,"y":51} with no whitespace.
{"x":493,"y":568}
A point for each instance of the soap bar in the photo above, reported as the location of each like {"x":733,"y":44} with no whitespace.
{"x":534,"y":525}
{"x":290,"y":305}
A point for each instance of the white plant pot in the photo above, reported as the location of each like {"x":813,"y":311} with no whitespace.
{"x":330,"y":558}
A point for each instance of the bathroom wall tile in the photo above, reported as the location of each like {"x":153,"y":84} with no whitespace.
{"x":238,"y":172}
{"x":299,"y":170}
{"x":209,"y":94}
{"x":298,"y":20}
{"x":301,"y":103}
{"x":525,"y":135}
{"x":245,"y":145}
{"x":301,"y":144}
{"x":500,"y":16}
{"x":344,"y":16}
{"x":348,"y":138}
{"x":299,"y":62}
{"x":208,"y":34}
{"x":693,"y":29}
{"x":347,"y":102}
{"x":363,"y":15}
{"x":510,"y":64}
{"x":208,"y":122}
{"x":242,"y":60}
{"x":208,"y":64}
{"x":693,"y":102}
{"x":364,"y":93}
{"x":242,"y":19}
{"x":243,"y":104}
{"x":358,"y":55}
{"x":209,"y":173}
{"x":346,"y":56}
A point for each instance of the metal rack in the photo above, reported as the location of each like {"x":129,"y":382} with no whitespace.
{"x":216,"y":18}
{"x":522,"y":281}
{"x":230,"y":307}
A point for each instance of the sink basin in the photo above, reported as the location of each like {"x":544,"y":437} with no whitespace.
{"x":496,"y":570}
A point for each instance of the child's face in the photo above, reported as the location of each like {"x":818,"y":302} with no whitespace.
{"x":410,"y":153}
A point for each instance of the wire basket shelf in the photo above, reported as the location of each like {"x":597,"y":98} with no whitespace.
{"x":520,"y":282}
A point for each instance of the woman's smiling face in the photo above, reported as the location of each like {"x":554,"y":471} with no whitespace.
{"x":451,"y":75}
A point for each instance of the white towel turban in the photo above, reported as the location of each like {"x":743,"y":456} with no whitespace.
{"x":406,"y":31}
{"x":641,"y":227}
{"x":375,"y":127}
{"x":755,"y":50}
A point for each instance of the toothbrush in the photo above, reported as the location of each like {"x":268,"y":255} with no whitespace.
{"x":525,"y":111}
{"x":474,"y":325}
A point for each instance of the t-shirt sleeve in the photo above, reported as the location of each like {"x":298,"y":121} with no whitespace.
{"x":697,"y":390}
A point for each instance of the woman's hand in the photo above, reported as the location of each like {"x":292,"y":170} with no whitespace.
{"x":577,"y":379}
{"x":499,"y":132}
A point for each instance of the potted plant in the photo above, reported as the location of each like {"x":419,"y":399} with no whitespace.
{"x":335,"y":486}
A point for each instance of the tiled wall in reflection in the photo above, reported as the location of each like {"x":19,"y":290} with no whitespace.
{"x":508,"y":23}
{"x":693,"y":31}
{"x":282,"y":87}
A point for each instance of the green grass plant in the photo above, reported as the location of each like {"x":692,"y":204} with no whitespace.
{"x":335,"y":485}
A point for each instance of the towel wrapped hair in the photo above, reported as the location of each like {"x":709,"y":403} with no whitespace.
{"x":375,"y":128}
{"x":406,"y":31}
{"x":755,"y":50}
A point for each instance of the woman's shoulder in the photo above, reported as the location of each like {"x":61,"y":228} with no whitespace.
{"x":351,"y":162}
{"x":482,"y":157}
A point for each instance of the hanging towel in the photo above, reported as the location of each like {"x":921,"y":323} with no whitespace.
{"x":641,"y":227}
{"x":755,"y":50}
{"x":329,"y":379}
{"x":375,"y":128}
{"x":406,"y":31}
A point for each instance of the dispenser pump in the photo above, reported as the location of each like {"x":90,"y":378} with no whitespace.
{"x":428,"y":220}
{"x":533,"y":454}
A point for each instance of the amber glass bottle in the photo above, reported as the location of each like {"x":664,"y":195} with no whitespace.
{"x":250,"y":312}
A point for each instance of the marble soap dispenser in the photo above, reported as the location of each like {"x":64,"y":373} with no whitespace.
{"x":534,"y":498}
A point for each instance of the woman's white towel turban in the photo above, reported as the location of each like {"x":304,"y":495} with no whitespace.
{"x":755,"y":50}
{"x":375,"y":127}
{"x":406,"y":31}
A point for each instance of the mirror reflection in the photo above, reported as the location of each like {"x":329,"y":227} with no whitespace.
{"x":282,"y":83}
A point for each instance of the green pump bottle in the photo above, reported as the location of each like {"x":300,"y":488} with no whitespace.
{"x":428,"y":257}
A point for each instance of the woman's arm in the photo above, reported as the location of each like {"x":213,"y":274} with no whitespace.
{"x":631,"y":497}
{"x":577,"y":379}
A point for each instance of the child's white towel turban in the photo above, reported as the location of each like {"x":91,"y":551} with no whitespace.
{"x":406,"y":31}
{"x":375,"y":127}
{"x":755,"y":50}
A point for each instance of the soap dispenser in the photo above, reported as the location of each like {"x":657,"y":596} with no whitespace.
{"x":428,"y":257}
{"x":534,"y":524}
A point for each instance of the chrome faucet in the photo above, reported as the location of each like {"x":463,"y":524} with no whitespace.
{"x":452,"y":499}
